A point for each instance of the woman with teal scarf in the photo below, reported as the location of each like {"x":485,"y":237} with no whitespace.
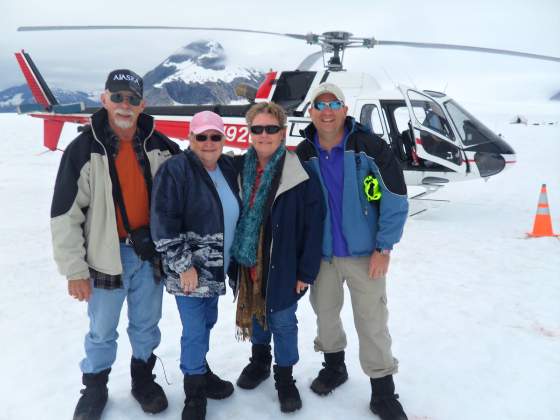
{"x":277,"y":245}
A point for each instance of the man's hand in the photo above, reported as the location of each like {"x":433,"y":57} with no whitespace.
{"x":79,"y":289}
{"x":301,"y":287}
{"x":378,"y":265}
{"x":189,"y":280}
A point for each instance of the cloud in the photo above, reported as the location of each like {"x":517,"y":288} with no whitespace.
{"x":80,"y":60}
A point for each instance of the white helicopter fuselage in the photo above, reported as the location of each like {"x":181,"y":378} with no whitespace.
{"x":435,"y":139}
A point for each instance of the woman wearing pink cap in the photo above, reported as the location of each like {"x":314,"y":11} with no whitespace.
{"x":194,"y":212}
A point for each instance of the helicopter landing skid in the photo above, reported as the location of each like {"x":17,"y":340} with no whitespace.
{"x":419,"y":204}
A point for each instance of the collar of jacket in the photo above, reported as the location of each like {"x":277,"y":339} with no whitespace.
{"x":100,"y":119}
{"x":292,"y":172}
{"x":350,"y":124}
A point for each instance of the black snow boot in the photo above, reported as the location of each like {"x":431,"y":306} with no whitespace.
{"x":288,"y":394}
{"x":147,"y":392}
{"x":384,"y":402}
{"x":258,"y":368}
{"x":94,"y":396}
{"x":332,"y":375}
{"x":217,"y":388}
{"x":195,"y":397}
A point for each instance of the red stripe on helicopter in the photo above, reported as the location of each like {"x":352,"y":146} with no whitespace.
{"x":507,"y":161}
{"x":77,"y":119}
{"x":237,"y":135}
{"x":264,"y":89}
{"x":175,"y":129}
{"x":36,"y":90}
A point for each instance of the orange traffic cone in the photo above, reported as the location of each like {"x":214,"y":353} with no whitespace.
{"x":543,"y":221}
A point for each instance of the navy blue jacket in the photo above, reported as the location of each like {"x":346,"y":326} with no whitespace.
{"x":187,"y":223}
{"x":293,"y":234}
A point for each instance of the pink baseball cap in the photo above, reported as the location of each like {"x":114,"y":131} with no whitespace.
{"x":206,"y":120}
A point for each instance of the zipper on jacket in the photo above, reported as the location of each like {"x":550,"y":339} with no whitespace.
{"x":270,"y":254}
{"x":269,"y":266}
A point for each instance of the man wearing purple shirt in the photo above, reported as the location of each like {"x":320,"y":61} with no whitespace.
{"x":332,"y":166}
{"x":359,"y":233}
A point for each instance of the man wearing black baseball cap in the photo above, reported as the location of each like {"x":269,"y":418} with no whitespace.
{"x":126,"y":80}
{"x":123,"y":87}
{"x":102,"y":243}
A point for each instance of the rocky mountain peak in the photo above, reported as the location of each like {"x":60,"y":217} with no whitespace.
{"x":198,"y":73}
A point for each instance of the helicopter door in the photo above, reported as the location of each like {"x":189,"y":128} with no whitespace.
{"x":434,"y":139}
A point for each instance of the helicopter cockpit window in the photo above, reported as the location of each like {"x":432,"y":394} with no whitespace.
{"x":470,"y":129}
{"x":371,"y":119}
{"x":430,"y":114}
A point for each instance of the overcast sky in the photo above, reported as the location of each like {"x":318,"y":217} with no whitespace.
{"x":81,"y":60}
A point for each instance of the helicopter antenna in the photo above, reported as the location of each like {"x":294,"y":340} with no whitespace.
{"x":389,"y":77}
{"x":410,"y":79}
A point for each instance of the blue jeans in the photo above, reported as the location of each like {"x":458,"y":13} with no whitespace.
{"x":144,"y":298}
{"x":198,"y":316}
{"x":282,"y":325}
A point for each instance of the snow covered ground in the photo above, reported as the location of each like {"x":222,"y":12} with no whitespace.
{"x":475,"y":308}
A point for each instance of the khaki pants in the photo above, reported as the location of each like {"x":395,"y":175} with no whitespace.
{"x":369,"y":305}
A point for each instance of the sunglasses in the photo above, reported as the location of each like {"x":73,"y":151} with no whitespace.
{"x":270,"y":129}
{"x":333,"y":105}
{"x":119,"y":97}
{"x":213,"y":137}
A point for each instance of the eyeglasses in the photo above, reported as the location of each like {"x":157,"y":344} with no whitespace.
{"x":213,"y":137}
{"x":270,"y":129}
{"x":333,"y":105}
{"x":119,"y":97}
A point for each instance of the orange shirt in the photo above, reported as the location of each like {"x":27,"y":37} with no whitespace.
{"x":133,"y":188}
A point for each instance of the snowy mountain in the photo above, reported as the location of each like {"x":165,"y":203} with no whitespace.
{"x":197,"y":74}
{"x":556,"y":97}
{"x":12,"y":97}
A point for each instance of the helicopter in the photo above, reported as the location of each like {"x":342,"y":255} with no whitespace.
{"x":434,"y":138}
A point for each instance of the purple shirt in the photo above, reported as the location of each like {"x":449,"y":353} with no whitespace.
{"x":332,"y":171}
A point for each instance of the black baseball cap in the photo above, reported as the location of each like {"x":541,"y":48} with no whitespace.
{"x":123,"y":79}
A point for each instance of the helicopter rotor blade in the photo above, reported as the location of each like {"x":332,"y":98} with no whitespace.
{"x":308,"y":62}
{"x":467,"y":48}
{"x":327,"y":40}
{"x":132,"y":27}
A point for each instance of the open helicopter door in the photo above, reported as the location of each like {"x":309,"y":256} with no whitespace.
{"x":434,"y":140}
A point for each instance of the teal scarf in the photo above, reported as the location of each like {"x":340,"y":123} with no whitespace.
{"x":245,"y":242}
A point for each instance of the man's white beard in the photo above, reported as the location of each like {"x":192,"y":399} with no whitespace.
{"x":123,"y":123}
